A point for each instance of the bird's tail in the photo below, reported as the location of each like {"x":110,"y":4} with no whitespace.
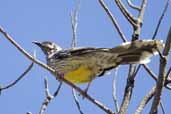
{"x":137,"y":52}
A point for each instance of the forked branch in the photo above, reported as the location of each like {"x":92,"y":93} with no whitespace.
{"x":49,"y":97}
{"x":133,"y":6}
{"x":126,"y":13}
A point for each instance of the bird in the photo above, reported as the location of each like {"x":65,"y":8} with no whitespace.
{"x":83,"y":64}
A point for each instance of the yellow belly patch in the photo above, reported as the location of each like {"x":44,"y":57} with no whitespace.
{"x":81,"y":75}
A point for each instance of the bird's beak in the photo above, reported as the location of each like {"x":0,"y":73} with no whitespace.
{"x":37,"y":43}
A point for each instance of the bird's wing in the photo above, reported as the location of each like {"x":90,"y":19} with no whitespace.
{"x":98,"y":58}
{"x":88,"y":51}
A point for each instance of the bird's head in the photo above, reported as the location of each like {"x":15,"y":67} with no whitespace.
{"x":48,"y":47}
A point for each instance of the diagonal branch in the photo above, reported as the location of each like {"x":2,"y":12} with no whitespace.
{"x":18,"y":79}
{"x":168,"y":75}
{"x":125,"y":12}
{"x":145,"y":100}
{"x":161,"y":77}
{"x":150,"y":72}
{"x":162,"y":107}
{"x":26,"y":54}
{"x":160,"y":19}
{"x":167,"y":81}
{"x":113,"y":20}
{"x":77,"y":101}
{"x":142,"y":11}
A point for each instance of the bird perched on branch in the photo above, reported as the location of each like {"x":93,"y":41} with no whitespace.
{"x":82,"y":65}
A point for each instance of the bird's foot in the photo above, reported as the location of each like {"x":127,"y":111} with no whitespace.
{"x":59,"y":76}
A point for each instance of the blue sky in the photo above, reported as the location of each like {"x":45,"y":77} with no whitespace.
{"x":43,"y":20}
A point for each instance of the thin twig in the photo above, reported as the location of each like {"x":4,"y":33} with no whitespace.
{"x":114,"y":91}
{"x":26,"y":54}
{"x":113,"y":20}
{"x":154,"y":76}
{"x":150,"y":72}
{"x":160,"y":19}
{"x":57,"y":91}
{"x":74,"y":23}
{"x":18,"y":79}
{"x":161,"y":77}
{"x":138,"y":68}
{"x":142,"y":11}
{"x":162,"y":107}
{"x":168,"y":75}
{"x":49,"y":97}
{"x":145,"y":100}
{"x":125,"y":12}
{"x":77,"y":101}
{"x":167,"y":79}
{"x":133,"y":6}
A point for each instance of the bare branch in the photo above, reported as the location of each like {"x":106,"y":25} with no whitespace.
{"x":162,"y":107}
{"x":139,"y":21}
{"x":49,"y":97}
{"x":57,"y":91}
{"x":150,"y":72}
{"x":18,"y":79}
{"x":160,"y":19}
{"x":128,"y":90}
{"x":113,"y":20}
{"x":136,"y":71}
{"x":142,"y":11}
{"x":74,"y":23}
{"x":154,"y":76}
{"x":168,"y":44}
{"x":161,"y":77}
{"x":114,"y":91}
{"x":168,"y":73}
{"x":133,"y":6}
{"x":145,"y":100}
{"x":125,"y":12}
{"x":77,"y":101}
{"x":26,"y":54}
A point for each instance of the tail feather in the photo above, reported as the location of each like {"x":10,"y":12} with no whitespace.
{"x":137,"y":52}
